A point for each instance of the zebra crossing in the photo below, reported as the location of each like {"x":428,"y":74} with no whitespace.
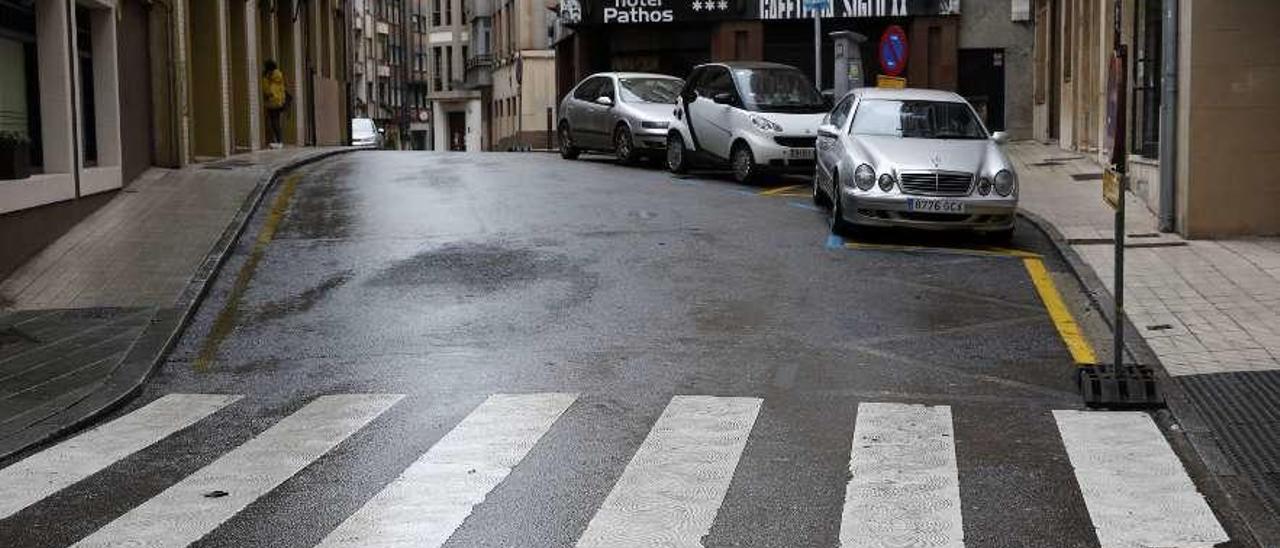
{"x":903,"y":486}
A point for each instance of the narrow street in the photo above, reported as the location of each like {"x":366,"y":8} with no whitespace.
{"x":553,"y":353}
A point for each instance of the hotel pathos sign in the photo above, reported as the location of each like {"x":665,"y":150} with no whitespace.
{"x":622,"y":12}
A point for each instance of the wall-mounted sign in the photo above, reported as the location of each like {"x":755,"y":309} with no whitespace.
{"x":620,"y":12}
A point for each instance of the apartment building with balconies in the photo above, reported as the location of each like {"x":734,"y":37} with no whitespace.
{"x":523,"y":99}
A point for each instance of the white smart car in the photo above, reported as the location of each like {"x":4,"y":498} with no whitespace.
{"x":752,"y":116}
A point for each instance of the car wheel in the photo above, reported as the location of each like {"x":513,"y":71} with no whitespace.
{"x":820,"y":197}
{"x":677,"y":156}
{"x":744,"y":163}
{"x":623,"y":146}
{"x":839,"y":226}
{"x":567,"y":150}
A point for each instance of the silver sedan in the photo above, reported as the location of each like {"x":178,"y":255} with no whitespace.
{"x":913,"y":158}
{"x":626,"y":113}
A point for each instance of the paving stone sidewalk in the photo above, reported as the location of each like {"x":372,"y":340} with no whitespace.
{"x":1209,"y":310}
{"x":109,"y":288}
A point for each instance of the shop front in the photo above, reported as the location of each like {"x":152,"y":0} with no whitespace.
{"x":673,"y":36}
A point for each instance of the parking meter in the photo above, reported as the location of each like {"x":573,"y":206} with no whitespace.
{"x":848,"y":61}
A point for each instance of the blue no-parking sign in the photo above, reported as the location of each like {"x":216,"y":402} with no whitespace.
{"x":893,"y":51}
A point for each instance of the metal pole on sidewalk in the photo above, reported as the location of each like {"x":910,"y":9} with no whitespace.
{"x":1119,"y":154}
{"x":817,"y":49}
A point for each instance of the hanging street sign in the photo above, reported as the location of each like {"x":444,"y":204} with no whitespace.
{"x":893,"y":51}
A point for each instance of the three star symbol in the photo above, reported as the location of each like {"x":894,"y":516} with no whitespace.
{"x":710,"y":5}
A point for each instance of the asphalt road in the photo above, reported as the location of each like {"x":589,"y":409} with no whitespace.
{"x":626,"y":298}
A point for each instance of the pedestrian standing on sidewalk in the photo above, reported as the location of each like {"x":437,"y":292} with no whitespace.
{"x":276,"y":99}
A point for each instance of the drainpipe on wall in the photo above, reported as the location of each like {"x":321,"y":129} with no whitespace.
{"x":1169,"y":116}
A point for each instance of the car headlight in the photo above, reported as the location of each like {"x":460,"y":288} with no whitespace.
{"x":864,"y":177}
{"x":1004,"y":182}
{"x":653,"y":125}
{"x":764,"y":124}
{"x":886,"y":182}
{"x":984,"y":186}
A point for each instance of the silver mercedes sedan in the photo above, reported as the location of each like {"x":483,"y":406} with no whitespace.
{"x":626,"y":113}
{"x":913,"y":158}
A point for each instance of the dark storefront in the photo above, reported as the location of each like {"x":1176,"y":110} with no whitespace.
{"x":672,"y":36}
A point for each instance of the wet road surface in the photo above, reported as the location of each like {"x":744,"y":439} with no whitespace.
{"x":549,"y":353}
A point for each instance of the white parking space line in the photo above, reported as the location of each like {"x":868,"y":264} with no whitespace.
{"x":47,"y":472}
{"x":190,"y":509}
{"x":1135,"y":488}
{"x":905,"y":486}
{"x":671,"y":490}
{"x":434,"y":495}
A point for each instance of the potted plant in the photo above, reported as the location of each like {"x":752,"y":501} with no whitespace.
{"x":15,"y":161}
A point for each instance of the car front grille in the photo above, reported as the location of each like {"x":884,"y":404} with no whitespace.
{"x":936,"y":183}
{"x":796,"y":142}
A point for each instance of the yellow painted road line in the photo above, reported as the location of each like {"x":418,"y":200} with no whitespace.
{"x":780,"y":190}
{"x":1081,"y":350}
{"x":226,"y":320}
{"x":977,"y":252}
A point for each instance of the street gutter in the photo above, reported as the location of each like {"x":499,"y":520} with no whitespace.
{"x":1182,"y":421}
{"x":162,"y":332}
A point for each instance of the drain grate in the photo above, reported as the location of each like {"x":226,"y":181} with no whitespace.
{"x":1243,"y":409}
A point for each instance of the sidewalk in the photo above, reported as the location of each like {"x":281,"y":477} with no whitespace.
{"x":1209,"y":311}
{"x":83,"y":321}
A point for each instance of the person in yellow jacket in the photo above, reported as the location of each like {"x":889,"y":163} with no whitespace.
{"x":275,"y":99}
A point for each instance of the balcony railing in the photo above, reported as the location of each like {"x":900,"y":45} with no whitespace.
{"x":479,"y":72}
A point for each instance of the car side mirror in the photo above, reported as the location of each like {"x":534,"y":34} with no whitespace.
{"x":1000,"y":137}
{"x":828,"y":130}
{"x":723,"y":98}
{"x":604,"y":100}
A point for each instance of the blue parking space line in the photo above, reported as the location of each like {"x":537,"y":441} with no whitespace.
{"x":803,"y":205}
{"x":835,"y":242}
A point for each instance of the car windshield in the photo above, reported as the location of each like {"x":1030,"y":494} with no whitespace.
{"x":362,"y":126}
{"x":778,"y":90}
{"x":650,"y":90}
{"x":917,"y":120}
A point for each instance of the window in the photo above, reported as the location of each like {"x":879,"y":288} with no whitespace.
{"x":840,"y":114}
{"x":438,"y":65}
{"x":917,"y":120}
{"x":589,"y":90}
{"x":1146,"y":80}
{"x":448,"y":12}
{"x":435,"y":12}
{"x":649,"y":90}
{"x":448,"y":67}
{"x":778,"y":90}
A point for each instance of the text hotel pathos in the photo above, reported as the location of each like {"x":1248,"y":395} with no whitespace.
{"x":667,"y":11}
{"x":638,"y":11}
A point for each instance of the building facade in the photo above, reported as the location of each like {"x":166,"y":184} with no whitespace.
{"x":94,"y":92}
{"x":524,"y":75}
{"x":1203,"y":103}
{"x":978,"y":48}
{"x":378,"y":70}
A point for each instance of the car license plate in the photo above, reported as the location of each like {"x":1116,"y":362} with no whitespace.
{"x":931,"y":205}
{"x":799,"y":154}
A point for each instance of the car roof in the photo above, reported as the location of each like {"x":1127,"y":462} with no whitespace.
{"x":747,"y":65}
{"x":634,"y":75}
{"x":909,"y":94}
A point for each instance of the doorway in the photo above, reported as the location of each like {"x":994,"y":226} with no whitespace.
{"x":982,"y":84}
{"x":457,"y":122}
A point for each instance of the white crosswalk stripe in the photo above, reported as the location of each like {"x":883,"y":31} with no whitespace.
{"x":184,"y":512}
{"x":427,"y":503}
{"x":1136,"y":490}
{"x":905,"y":485}
{"x":671,"y":490}
{"x":71,"y":461}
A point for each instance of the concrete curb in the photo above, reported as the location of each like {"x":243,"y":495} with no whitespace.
{"x":151,"y":347}
{"x":1183,"y":420}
